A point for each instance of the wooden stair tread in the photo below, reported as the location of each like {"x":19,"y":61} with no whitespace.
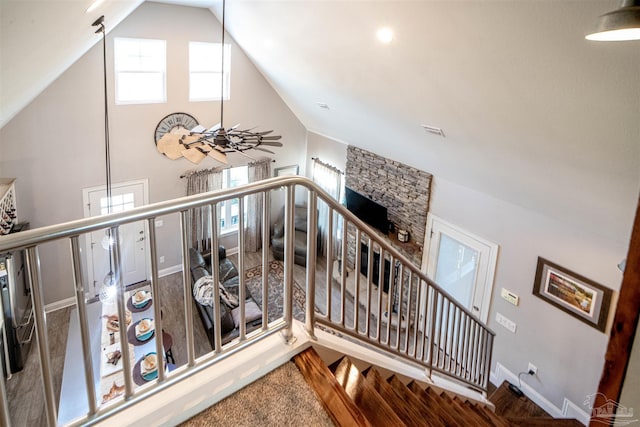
{"x":342,"y":410}
{"x":492,"y":420}
{"x":443,"y":411}
{"x":372,"y":405}
{"x":508,"y":405}
{"x":408,"y":413}
{"x":429,"y":417}
{"x":470,"y":416}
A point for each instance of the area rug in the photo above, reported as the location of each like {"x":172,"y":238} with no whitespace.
{"x":275,"y":291}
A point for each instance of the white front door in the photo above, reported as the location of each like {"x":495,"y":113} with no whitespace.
{"x":461,"y":263}
{"x":133,"y":244}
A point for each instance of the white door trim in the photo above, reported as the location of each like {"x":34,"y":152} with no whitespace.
{"x":492,"y":258}
{"x":87,"y":213}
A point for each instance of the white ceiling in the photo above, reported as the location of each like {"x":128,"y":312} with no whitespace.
{"x":533,"y":114}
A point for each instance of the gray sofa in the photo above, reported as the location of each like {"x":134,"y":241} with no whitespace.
{"x":200,"y":265}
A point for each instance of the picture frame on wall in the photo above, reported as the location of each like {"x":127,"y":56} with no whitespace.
{"x":572,"y":293}
{"x":286,"y":170}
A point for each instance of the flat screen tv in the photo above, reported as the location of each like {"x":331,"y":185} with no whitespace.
{"x":367,"y":210}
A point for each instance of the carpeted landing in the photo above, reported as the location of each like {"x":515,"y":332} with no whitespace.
{"x":280,"y":398}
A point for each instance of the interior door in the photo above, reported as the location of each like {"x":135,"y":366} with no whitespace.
{"x":462,"y":264}
{"x":133,"y":246}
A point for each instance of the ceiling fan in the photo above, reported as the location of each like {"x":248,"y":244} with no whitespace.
{"x":198,"y":142}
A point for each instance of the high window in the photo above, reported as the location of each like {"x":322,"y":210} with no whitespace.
{"x":229,"y":210}
{"x":140,"y":71}
{"x":205,"y":68}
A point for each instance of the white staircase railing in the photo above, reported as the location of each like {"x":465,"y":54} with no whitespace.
{"x":394,"y":307}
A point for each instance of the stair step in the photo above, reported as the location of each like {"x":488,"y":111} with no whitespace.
{"x":470,"y":417}
{"x":443,"y":411}
{"x":410,"y":415}
{"x":493,"y":421}
{"x":429,"y":417}
{"x":342,"y":410}
{"x":374,"y":407}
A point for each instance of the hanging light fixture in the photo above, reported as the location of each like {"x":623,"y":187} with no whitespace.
{"x":619,"y":25}
{"x":109,"y":288}
{"x":197,"y":143}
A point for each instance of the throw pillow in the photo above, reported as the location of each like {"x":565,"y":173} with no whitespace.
{"x":251,"y":312}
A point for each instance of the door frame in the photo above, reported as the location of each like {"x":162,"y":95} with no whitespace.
{"x":489,"y":281}
{"x":87,"y":213}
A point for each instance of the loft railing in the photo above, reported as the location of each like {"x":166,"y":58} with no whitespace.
{"x":396,"y":309}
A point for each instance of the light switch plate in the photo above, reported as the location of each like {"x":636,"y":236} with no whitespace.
{"x":510,"y":296}
{"x":509,"y":324}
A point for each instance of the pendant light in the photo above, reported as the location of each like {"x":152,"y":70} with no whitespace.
{"x":619,"y":25}
{"x":109,"y":288}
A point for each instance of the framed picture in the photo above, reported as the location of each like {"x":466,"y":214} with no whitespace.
{"x":572,"y":293}
{"x":286,"y":170}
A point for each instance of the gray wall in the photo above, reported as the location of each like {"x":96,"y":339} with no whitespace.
{"x":55,"y":146}
{"x":569,"y":354}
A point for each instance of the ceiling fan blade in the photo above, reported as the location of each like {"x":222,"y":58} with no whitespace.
{"x":190,"y":139}
{"x":167,"y":140}
{"x":263,"y":149}
{"x":271,"y":138}
{"x":174,"y":151}
{"x":271,"y":143}
{"x":214,"y":128}
{"x":217,"y":155}
{"x":194,"y":155}
{"x":234,"y":127}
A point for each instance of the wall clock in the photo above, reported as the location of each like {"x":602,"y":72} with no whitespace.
{"x":172,"y":122}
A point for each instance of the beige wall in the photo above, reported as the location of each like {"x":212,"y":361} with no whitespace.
{"x":55,"y":146}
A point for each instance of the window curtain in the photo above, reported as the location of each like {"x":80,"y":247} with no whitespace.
{"x":253,"y":224}
{"x":329,"y":178}
{"x":200,"y":182}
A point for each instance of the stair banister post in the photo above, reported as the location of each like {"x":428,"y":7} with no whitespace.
{"x":289,"y":212}
{"x":312,"y":246}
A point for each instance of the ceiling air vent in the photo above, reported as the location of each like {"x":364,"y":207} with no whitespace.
{"x":433,"y":129}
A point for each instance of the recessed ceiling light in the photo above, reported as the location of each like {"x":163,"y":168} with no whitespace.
{"x":385,"y":35}
{"x":93,"y":6}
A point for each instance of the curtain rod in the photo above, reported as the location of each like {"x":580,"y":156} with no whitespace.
{"x":219,"y":168}
{"x":327,"y":165}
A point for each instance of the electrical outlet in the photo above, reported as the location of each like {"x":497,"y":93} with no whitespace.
{"x":161,"y":260}
{"x":509,"y":324}
{"x":532,"y":368}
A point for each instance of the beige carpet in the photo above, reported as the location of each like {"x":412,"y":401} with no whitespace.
{"x":280,"y":398}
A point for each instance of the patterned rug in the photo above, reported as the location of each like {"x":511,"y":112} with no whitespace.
{"x":275,"y":288}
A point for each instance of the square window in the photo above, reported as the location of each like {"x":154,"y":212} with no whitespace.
{"x":140,"y":70}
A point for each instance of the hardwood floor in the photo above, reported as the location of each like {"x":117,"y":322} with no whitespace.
{"x":509,"y":404}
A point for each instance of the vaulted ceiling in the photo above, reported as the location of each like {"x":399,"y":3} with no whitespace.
{"x":532,"y":112}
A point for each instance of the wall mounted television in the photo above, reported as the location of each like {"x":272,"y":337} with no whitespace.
{"x":367,"y":210}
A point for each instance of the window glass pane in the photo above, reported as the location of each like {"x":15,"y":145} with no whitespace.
{"x":204,"y":71}
{"x":204,"y":86}
{"x":140,"y":66}
{"x":230,"y":210}
{"x":127,"y":198}
{"x":140,"y":87}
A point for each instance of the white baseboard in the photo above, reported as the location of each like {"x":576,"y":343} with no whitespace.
{"x":57,"y":305}
{"x":569,"y":409}
{"x":170,"y":270}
